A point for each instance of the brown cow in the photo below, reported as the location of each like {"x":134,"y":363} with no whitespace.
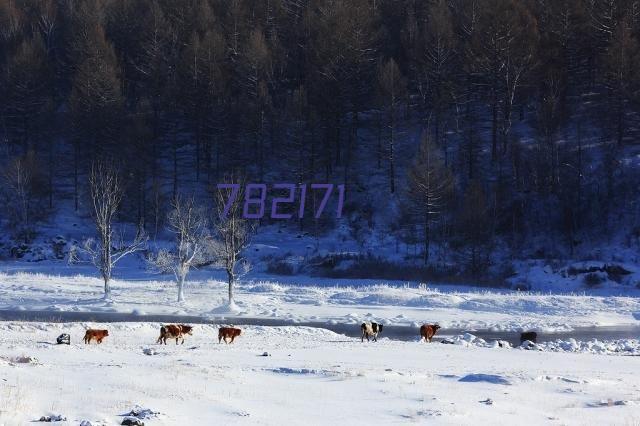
{"x":95,"y":334}
{"x":427,"y":331}
{"x":174,"y":331}
{"x":228,"y":333}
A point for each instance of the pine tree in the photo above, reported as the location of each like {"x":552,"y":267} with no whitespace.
{"x":430,"y":183}
{"x":473,"y":222}
{"x":95,"y":100}
{"x":391,"y":86}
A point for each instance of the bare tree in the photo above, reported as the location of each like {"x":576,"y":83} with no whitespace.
{"x":430,"y":183}
{"x":503,"y":53}
{"x":392,"y":86}
{"x":192,"y":242}
{"x":106,"y":251}
{"x":233,"y":235}
{"x":23,"y":189}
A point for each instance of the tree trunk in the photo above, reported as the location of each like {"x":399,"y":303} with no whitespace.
{"x":181,"y":288}
{"x":106,"y":259}
{"x":50,"y":175}
{"x":107,"y":288}
{"x":338,"y":146}
{"x":494,"y":128}
{"x":392,"y":168}
{"x":75,"y":177}
{"x":175,"y":168}
{"x":230,"y":280}
{"x":198,"y":136}
{"x":427,"y":238}
{"x":260,"y":146}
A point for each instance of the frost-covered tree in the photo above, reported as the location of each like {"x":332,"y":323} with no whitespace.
{"x":192,"y":248}
{"x":106,"y":194}
{"x":232,"y":235}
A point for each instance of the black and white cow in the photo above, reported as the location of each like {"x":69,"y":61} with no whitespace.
{"x":370,"y":329}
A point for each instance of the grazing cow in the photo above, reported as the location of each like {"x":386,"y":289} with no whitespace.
{"x":228,"y":333}
{"x":427,"y":331}
{"x":174,"y":331}
{"x":370,"y":329}
{"x":532,"y":336}
{"x":95,"y":334}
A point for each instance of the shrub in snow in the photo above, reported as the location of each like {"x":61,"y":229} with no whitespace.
{"x":24,"y":360}
{"x":265,"y":288}
{"x":58,"y":245}
{"x":594,"y":279}
{"x":522,"y":286}
{"x":280,"y":267}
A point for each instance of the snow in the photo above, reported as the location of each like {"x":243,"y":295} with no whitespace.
{"x":297,"y":374}
{"x":309,"y":300}
{"x":312,"y":376}
{"x":593,"y":346}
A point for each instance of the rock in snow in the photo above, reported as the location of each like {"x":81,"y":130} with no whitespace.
{"x":132,"y":421}
{"x":142,"y":413}
{"x":54,"y":418}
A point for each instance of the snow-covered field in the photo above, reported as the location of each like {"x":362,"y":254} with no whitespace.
{"x":315,"y":301}
{"x":309,"y":376}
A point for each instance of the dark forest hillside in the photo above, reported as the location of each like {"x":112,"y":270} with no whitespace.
{"x":464,"y":123}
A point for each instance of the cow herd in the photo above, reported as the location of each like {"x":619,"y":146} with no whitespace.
{"x":427,"y":331}
{"x":370,"y":330}
{"x":168,"y":331}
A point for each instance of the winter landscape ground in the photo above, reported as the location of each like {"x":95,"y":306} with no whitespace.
{"x":293,"y":374}
{"x":309,"y":376}
{"x":300,"y":359}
